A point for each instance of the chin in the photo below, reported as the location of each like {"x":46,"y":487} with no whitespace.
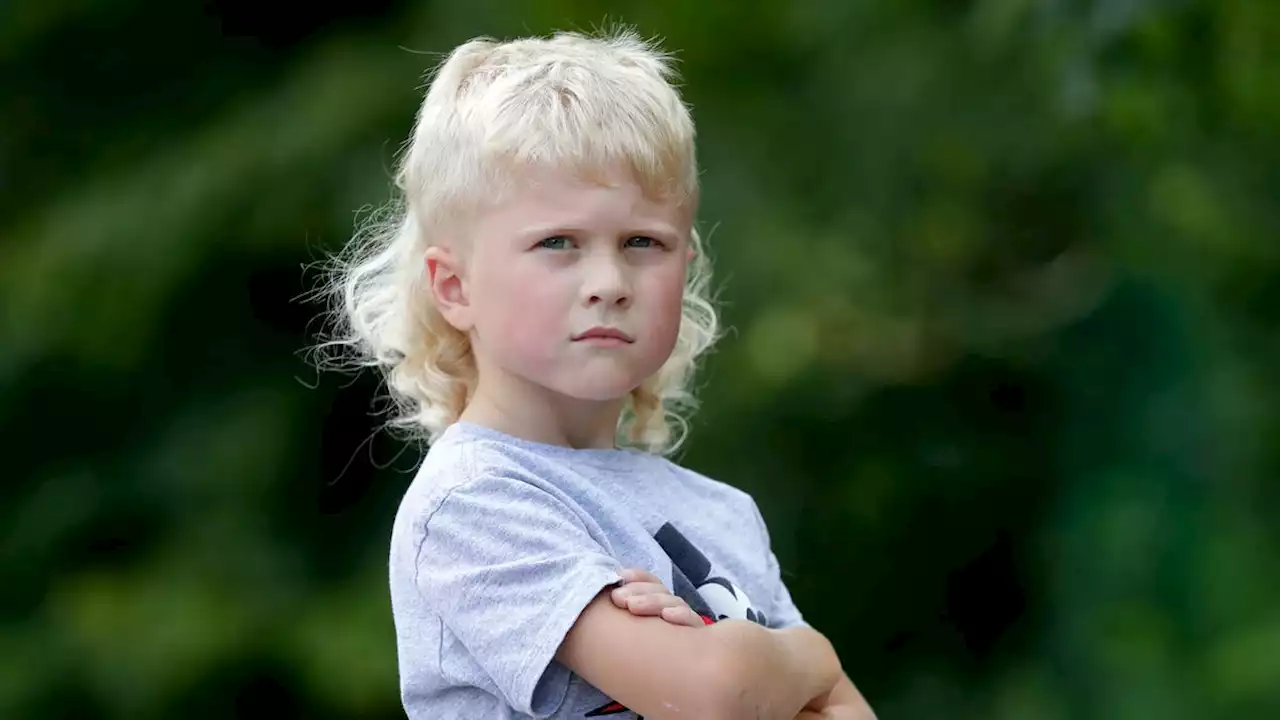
{"x":598,"y":392}
{"x":600,"y":387}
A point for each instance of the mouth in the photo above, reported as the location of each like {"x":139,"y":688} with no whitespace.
{"x":604,"y":333}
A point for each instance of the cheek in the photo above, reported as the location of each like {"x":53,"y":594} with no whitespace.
{"x":520,"y":313}
{"x":667,"y":292}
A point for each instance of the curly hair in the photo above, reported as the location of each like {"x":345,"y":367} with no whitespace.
{"x":569,"y":101}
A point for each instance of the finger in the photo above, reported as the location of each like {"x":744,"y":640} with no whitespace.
{"x":653,"y":604}
{"x":682,"y":616}
{"x":633,"y":575}
{"x":619,"y":595}
{"x":640,"y":588}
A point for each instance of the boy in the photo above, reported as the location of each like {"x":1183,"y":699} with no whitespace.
{"x":541,"y":296}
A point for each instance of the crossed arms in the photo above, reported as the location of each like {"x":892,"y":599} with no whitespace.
{"x":732,"y":670}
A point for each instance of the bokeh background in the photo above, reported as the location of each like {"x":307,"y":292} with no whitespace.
{"x":1003,"y":277}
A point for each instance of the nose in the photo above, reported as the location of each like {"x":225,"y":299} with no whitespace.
{"x":607,"y":283}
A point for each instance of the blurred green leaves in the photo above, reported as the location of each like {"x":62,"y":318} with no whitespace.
{"x":1002,"y":280}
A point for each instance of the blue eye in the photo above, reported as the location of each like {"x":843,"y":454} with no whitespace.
{"x":641,"y":241}
{"x":557,"y":242}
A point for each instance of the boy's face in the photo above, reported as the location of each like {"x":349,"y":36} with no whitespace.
{"x":576,"y":286}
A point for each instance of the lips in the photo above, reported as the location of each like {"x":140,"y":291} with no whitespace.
{"x":604,"y":333}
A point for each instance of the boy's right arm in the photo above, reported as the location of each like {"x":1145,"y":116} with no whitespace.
{"x":732,"y":669}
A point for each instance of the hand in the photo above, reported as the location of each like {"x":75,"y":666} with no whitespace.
{"x":833,"y":713}
{"x":843,"y":702}
{"x":817,"y":709}
{"x":837,"y":712}
{"x":643,"y":594}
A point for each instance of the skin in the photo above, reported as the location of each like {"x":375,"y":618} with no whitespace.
{"x":526,"y":280}
{"x":643,"y":594}
{"x":559,"y":256}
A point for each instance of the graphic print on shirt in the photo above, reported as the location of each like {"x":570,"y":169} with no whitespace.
{"x":714,"y":598}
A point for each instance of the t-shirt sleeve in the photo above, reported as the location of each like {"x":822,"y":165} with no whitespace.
{"x":782,"y":611}
{"x":509,"y":567}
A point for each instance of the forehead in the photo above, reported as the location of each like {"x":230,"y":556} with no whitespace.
{"x":533,"y":198}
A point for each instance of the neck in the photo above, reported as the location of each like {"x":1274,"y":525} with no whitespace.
{"x":525,"y":410}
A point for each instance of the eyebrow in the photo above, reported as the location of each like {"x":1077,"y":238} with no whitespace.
{"x":659,"y":231}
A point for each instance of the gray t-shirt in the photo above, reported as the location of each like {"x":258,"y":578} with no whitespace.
{"x":500,"y":543}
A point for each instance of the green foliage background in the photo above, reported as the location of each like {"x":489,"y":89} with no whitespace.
{"x":1003,"y":276}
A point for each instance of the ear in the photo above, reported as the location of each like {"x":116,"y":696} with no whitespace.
{"x":448,"y":288}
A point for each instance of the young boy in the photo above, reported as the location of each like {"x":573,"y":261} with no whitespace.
{"x":540,"y":296}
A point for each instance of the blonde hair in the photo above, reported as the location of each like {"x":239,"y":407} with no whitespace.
{"x":570,"y":102}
